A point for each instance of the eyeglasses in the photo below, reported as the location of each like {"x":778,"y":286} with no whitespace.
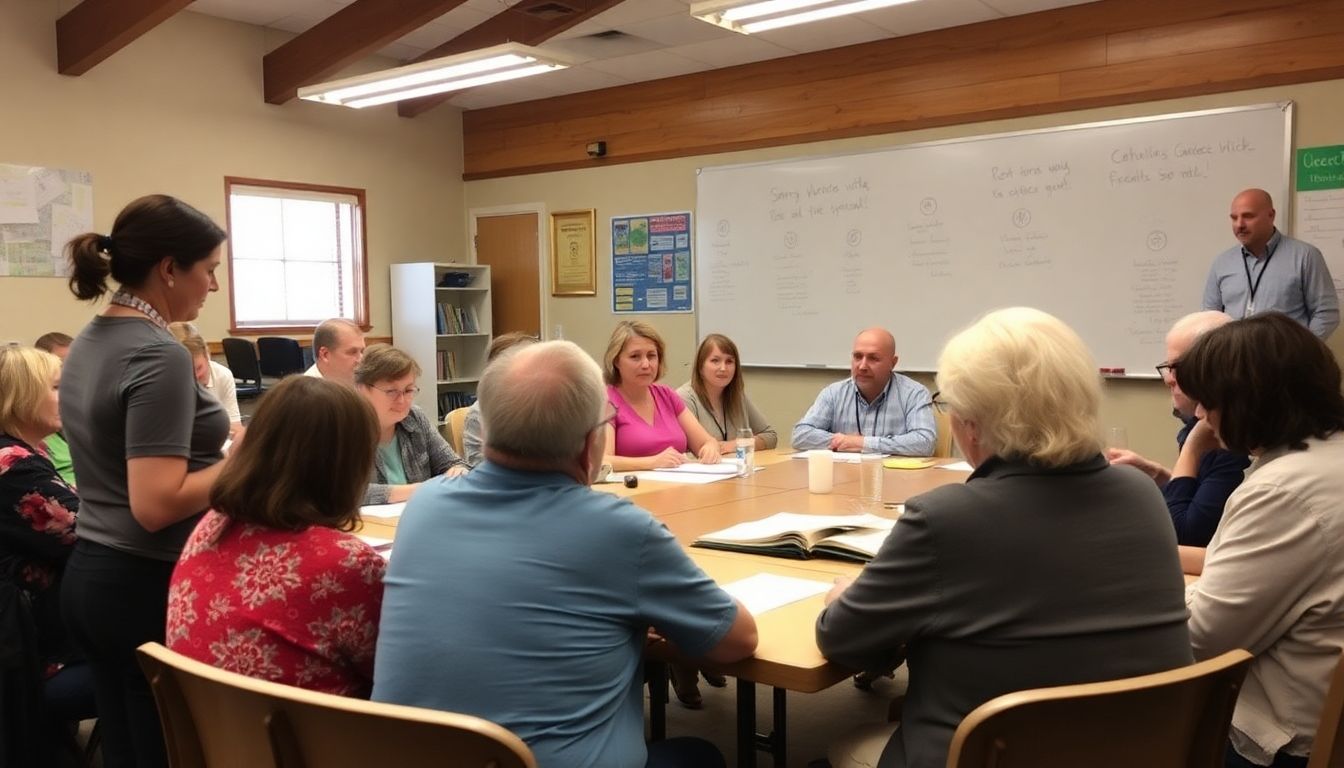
{"x":1166,"y":369}
{"x":397,"y":394}
{"x":939,"y":404}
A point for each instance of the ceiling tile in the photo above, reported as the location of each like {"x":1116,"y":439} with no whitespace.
{"x":582,"y":29}
{"x":1016,"y":7}
{"x":496,"y":94}
{"x":679,"y":29}
{"x":820,"y":35}
{"x":298,"y":22}
{"x":636,"y":11}
{"x":925,"y":15}
{"x":575,"y":80}
{"x":727,"y":52}
{"x":447,"y":27}
{"x":260,"y":12}
{"x":647,"y":66}
{"x":594,"y":48}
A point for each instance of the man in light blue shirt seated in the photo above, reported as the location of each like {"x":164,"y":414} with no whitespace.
{"x":518,"y":594}
{"x":875,"y":410}
{"x":1270,"y":271}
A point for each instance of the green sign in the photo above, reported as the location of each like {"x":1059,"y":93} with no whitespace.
{"x":1320,"y":168}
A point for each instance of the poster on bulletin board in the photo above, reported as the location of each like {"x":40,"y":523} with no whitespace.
{"x":651,"y":263}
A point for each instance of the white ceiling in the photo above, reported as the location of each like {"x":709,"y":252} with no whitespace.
{"x":661,"y":38}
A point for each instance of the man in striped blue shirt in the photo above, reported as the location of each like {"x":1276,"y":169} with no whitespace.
{"x":875,"y":410}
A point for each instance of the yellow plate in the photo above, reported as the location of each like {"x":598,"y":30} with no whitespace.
{"x":906,"y":462}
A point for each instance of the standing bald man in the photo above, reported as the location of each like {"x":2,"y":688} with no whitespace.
{"x":1270,"y":271}
{"x":875,"y":410}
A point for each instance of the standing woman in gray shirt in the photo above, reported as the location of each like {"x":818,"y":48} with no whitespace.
{"x":145,"y":438}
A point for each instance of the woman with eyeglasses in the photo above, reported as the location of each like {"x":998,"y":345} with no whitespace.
{"x":1272,"y":579}
{"x":410,"y":448}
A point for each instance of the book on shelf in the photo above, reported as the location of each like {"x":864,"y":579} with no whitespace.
{"x":789,"y":534}
{"x":445,"y":364}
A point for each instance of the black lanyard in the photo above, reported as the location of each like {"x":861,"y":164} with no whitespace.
{"x":723,"y":428}
{"x":877,"y":415}
{"x":1255,"y":286}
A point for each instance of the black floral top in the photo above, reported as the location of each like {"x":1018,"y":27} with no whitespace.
{"x":37,"y":531}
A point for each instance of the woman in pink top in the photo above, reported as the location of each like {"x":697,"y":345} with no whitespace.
{"x":652,"y":427}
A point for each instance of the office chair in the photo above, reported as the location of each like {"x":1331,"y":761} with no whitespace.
{"x":241,"y":357}
{"x":279,"y":356}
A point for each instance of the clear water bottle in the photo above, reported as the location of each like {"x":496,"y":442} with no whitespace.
{"x":746,"y":452}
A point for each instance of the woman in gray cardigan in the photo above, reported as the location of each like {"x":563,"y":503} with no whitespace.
{"x":1047,"y":567}
{"x":410,"y":448}
{"x":717,"y":396}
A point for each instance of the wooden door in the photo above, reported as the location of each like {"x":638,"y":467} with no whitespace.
{"x":508,"y":243}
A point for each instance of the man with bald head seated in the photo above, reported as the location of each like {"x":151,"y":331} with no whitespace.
{"x":338,"y":347}
{"x":1270,"y":271}
{"x":519,"y":594}
{"x":875,"y":410}
{"x":1196,"y":489}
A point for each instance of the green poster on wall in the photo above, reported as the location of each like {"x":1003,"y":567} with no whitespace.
{"x":1320,"y":168}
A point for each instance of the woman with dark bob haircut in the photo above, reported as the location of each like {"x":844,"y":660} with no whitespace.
{"x":269,"y":584}
{"x":1273,"y":575}
{"x":145,"y":439}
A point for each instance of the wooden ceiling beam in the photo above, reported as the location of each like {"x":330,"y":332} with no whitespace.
{"x":95,"y":29}
{"x":352,"y":33}
{"x":513,"y":25}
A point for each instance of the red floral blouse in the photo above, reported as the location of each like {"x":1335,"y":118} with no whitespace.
{"x":37,"y":535}
{"x":299,"y":608}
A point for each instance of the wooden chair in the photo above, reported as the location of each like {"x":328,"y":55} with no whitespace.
{"x":216,"y":718}
{"x":1173,"y":719}
{"x":456,"y":421}
{"x":1327,"y":750}
{"x":942,"y":446}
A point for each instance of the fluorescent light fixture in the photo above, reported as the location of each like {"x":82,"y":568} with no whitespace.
{"x":763,"y":15}
{"x":498,"y":63}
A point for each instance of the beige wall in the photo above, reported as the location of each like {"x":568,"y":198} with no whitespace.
{"x":181,"y":108}
{"x":669,"y":185}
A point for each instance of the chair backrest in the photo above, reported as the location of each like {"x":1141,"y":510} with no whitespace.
{"x":457,"y":421}
{"x":942,"y":445}
{"x":241,"y":356}
{"x":215,"y":718}
{"x":1173,"y":719}
{"x":280,"y":356}
{"x":1327,"y":751}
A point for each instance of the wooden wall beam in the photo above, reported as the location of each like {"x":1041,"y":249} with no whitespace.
{"x":95,"y":29}
{"x":513,"y":24}
{"x":1099,"y":54}
{"x":352,"y":33}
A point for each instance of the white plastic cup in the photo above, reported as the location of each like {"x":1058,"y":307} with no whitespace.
{"x":870,"y":483}
{"x":820,"y":471}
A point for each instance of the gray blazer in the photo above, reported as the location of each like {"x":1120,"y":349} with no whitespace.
{"x":1020,"y":578}
{"x":424,"y":454}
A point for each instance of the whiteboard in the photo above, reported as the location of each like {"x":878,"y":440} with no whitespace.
{"x":1110,"y":226}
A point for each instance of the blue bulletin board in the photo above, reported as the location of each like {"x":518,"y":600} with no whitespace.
{"x":651,"y":263}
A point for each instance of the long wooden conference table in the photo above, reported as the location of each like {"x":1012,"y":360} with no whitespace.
{"x":787,"y":658}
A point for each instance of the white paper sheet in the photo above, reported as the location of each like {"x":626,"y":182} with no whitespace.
{"x":726,"y":467}
{"x":376,"y":542}
{"x":844,"y":458}
{"x":959,"y":466}
{"x":382,"y":510}
{"x":767,"y":591}
{"x":686,"y":478}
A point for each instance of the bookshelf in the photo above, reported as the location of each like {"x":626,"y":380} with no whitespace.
{"x":446,"y":328}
